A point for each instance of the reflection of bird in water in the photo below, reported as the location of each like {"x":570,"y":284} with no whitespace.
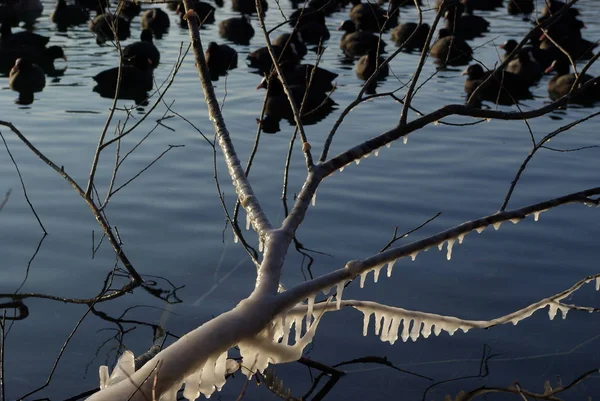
{"x":26,"y":78}
{"x":136,"y":81}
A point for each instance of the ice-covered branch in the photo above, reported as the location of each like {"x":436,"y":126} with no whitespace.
{"x":373,"y":144}
{"x":388,"y":320}
{"x":241,"y":184}
{"x":376,"y":263}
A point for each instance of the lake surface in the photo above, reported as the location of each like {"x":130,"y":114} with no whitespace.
{"x":171,"y":223}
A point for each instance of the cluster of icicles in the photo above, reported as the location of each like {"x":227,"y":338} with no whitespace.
{"x":269,"y":346}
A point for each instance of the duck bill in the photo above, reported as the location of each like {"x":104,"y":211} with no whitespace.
{"x":550,"y":68}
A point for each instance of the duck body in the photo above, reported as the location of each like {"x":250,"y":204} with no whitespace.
{"x":516,"y":7}
{"x":370,"y":17}
{"x":156,"y":21}
{"x":26,"y":77}
{"x":220,"y":59}
{"x":248,"y":6}
{"x":205,"y":12}
{"x":562,"y":82}
{"x":136,"y":81}
{"x":451,"y":50}
{"x":8,"y":38}
{"x":526,"y":67}
{"x":66,"y":15}
{"x":367,"y":65}
{"x":292,"y":39}
{"x":505,"y":88}
{"x":102,"y":24}
{"x":401,"y":35}
{"x":466,"y":26}
{"x":238,"y":30}
{"x":144,"y":49}
{"x":358,"y":43}
{"x":261,"y":59}
{"x":42,"y":58}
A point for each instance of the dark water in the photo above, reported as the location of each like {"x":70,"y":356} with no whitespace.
{"x":171,"y":223}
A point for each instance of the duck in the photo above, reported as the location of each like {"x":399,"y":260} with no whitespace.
{"x":294,"y":39}
{"x":367,"y":65}
{"x":144,"y":49}
{"x":526,"y":67}
{"x":515,"y":7}
{"x":467,"y":26}
{"x":43,"y":58}
{"x":204,"y":11}
{"x":220,"y":59}
{"x":27,"y":11}
{"x":319,"y":78}
{"x":371,"y":17}
{"x":156,"y":21}
{"x":237,"y":29}
{"x":450,"y":49}
{"x":102,"y":26}
{"x":358,"y":43}
{"x":261,"y":59}
{"x":401,"y":35}
{"x":248,"y":6}
{"x":136,"y":81}
{"x":129,"y":10}
{"x":66,"y":15}
{"x":26,"y":77}
{"x":562,"y":82}
{"x":8,"y":38}
{"x":505,"y":88}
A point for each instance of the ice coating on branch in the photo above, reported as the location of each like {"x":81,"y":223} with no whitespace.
{"x":314,"y":199}
{"x":338,"y":295}
{"x":413,"y":255}
{"x":497,"y":225}
{"x":597,"y":283}
{"x":390,"y":266}
{"x":450,"y":245}
{"x":357,"y":161}
{"x":125,"y":368}
{"x":461,"y":237}
{"x":261,"y":350}
{"x":480,"y":229}
{"x":515,"y":220}
{"x":235,"y":238}
{"x":536,"y":216}
{"x":247,"y":221}
{"x":261,"y":244}
{"x":366,"y":155}
{"x":311,"y":303}
{"x":388,"y":145}
{"x":376,"y":152}
{"x":341,"y":169}
{"x":405,"y":139}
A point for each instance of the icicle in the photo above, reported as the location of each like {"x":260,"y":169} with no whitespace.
{"x":497,"y":225}
{"x":536,"y":216}
{"x":341,"y":169}
{"x":298,"y":327}
{"x":489,"y":119}
{"x":376,"y":271}
{"x":461,"y":237}
{"x":363,"y":277}
{"x":426,"y":332}
{"x":385,"y":328}
{"x":388,"y":145}
{"x":247,"y":221}
{"x":552,"y":309}
{"x":378,"y":318}
{"x":338,"y":296}
{"x":366,"y":155}
{"x":314,"y":199}
{"x":450,"y":245}
{"x":235,"y":239}
{"x":366,"y":322}
{"x":405,"y":329}
{"x":191,"y":390}
{"x":563,"y":311}
{"x":390,"y":266}
{"x":405,"y":139}
{"x":515,"y":220}
{"x":437,"y":329}
{"x":440,"y":246}
{"x":394,"y":330}
{"x":416,"y":330}
{"x":436,"y":122}
{"x":357,"y":161}
{"x":327,"y":291}
{"x":480,"y":229}
{"x":597,"y":283}
{"x":413,"y":255}
{"x":376,"y":152}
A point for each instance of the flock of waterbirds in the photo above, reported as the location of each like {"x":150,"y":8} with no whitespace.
{"x":26,"y":57}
